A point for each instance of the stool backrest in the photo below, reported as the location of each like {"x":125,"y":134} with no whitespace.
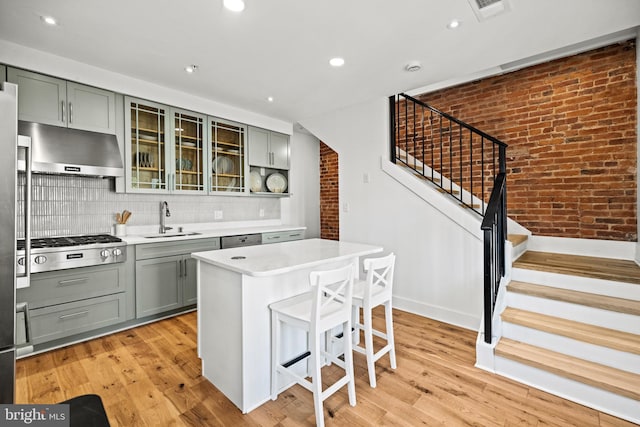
{"x":332,"y":295}
{"x":379,"y":282}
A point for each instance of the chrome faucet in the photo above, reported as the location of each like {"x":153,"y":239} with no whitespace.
{"x":164,"y":212}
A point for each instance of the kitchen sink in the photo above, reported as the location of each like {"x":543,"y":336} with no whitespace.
{"x":159,"y":236}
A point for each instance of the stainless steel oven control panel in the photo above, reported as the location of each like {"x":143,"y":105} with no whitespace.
{"x":70,"y":257}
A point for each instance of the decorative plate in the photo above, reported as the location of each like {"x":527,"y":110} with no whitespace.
{"x":255,"y":181}
{"x":222,"y":164}
{"x":277,"y":183}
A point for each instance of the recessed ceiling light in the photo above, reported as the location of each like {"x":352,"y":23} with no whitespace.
{"x":191,"y":68}
{"x":453,"y":24}
{"x":49,"y":20}
{"x":336,"y":62}
{"x":269,"y":98}
{"x":234,"y":5}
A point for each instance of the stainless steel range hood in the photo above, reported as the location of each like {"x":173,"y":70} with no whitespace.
{"x":59,"y":150}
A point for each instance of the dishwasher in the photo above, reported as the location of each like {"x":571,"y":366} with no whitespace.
{"x":240,"y":240}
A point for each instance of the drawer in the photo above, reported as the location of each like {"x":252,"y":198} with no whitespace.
{"x":71,"y":285}
{"x":63,"y":320}
{"x":282,"y":236}
{"x":241,"y":240}
{"x":162,"y":249}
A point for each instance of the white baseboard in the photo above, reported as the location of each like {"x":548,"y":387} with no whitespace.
{"x":464,"y":320}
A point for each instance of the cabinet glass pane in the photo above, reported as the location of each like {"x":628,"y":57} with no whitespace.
{"x":189,"y":144}
{"x":228,"y":151}
{"x":148,"y":144}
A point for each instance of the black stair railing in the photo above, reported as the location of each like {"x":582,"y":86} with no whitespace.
{"x":464,"y":162}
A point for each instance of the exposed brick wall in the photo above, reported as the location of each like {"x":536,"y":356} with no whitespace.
{"x":329,"y":192}
{"x":571,"y":129}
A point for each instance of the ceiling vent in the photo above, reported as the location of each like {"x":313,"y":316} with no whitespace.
{"x":485,"y":9}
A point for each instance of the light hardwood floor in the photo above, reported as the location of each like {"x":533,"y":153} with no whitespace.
{"x":150,"y":376}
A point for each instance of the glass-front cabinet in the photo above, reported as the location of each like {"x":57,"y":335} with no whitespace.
{"x":228,"y":155}
{"x":147,"y":157}
{"x":189,"y":152}
{"x":177,"y":151}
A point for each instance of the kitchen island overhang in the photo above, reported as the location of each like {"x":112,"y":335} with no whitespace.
{"x":235,"y":288}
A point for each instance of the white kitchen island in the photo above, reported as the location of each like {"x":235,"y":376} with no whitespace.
{"x":235,"y":288}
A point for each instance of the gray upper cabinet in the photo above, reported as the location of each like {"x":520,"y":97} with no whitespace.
{"x":53,"y":101}
{"x":3,"y":73}
{"x":268,"y":149}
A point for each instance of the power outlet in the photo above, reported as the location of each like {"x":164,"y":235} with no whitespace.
{"x":261,"y":213}
{"x":217,"y":215}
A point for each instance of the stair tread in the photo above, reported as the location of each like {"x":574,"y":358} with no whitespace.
{"x":598,"y":335}
{"x":585,"y":266}
{"x":517,"y":239}
{"x":449,"y":191}
{"x":614,"y":380}
{"x":619,"y":305}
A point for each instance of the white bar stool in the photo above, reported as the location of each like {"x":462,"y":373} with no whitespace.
{"x":327,"y":306}
{"x":375,"y":290}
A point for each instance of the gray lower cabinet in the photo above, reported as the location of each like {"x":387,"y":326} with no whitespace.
{"x":282,"y":236}
{"x":190,"y":282}
{"x":166,"y":276}
{"x":69,"y":302}
{"x":158,"y":285}
{"x":63,"y":320}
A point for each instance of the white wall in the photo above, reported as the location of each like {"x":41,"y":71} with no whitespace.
{"x":35,"y":60}
{"x":303,"y":206}
{"x":439,"y":264}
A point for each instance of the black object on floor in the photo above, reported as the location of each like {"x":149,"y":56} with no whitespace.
{"x":87,"y":411}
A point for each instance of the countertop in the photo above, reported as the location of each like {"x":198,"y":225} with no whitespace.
{"x":143,"y":237}
{"x":279,"y":258}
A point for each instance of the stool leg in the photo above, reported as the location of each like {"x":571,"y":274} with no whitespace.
{"x":355,"y":320}
{"x":368,"y":344}
{"x":316,"y":378}
{"x":348,"y":364}
{"x":390,"y":340}
{"x":275,"y":353}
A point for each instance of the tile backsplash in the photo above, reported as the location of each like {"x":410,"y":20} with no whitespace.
{"x":70,"y":205}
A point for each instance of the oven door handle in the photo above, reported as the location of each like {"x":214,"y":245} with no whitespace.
{"x":23,"y":281}
{"x":27,"y":347}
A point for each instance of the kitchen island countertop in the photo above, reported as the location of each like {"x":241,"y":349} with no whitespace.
{"x":270,"y":260}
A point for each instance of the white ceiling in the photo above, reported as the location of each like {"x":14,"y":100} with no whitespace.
{"x":281,"y":48}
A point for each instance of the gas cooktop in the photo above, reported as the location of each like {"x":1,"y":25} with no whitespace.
{"x":61,"y":242}
{"x":58,"y":253}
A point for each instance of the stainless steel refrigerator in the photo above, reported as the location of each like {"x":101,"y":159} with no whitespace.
{"x":9,"y":142}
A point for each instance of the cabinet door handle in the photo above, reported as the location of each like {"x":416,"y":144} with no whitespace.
{"x":73,"y":281}
{"x":180,"y":263}
{"x":63,"y":114}
{"x":69,"y":316}
{"x":186,"y":272}
{"x":70,"y":113}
